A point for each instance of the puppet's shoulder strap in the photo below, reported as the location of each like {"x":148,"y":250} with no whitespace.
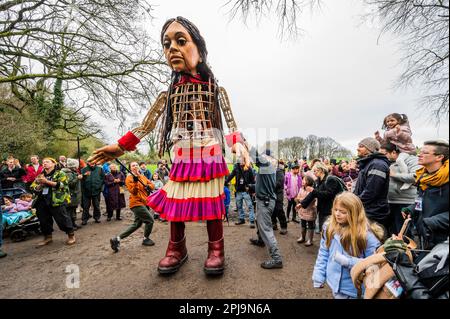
{"x":153,"y":114}
{"x":225,"y":105}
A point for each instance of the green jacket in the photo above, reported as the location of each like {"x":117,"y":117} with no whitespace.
{"x":74,"y":187}
{"x":91,"y":185}
{"x":60,"y":193}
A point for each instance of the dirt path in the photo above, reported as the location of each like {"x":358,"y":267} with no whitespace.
{"x":41,"y":273}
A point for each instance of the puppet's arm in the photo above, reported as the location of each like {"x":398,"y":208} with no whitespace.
{"x":150,"y":120}
{"x":225,"y":105}
{"x":129,"y":141}
{"x":235,"y":136}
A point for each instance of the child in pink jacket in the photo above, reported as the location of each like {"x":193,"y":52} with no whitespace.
{"x":24,"y":203}
{"x":398,"y":132}
{"x":307,"y":215}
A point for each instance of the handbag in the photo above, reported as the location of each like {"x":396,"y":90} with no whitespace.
{"x":375,"y":272}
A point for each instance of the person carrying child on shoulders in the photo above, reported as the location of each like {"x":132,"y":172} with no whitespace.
{"x":398,"y":132}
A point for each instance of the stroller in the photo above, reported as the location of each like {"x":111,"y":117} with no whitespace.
{"x":399,"y":270}
{"x":20,"y":231}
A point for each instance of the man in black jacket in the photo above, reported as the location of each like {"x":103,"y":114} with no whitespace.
{"x":431,"y":210}
{"x":11,"y":175}
{"x":278,"y":212}
{"x":244,"y":180}
{"x":372,"y":186}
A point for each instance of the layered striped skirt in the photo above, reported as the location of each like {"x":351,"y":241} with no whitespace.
{"x":195,"y":190}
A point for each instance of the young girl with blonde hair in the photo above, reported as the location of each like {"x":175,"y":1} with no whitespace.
{"x":347,"y":238}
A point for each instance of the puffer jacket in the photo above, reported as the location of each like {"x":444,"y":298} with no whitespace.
{"x":309,"y":213}
{"x":288,"y":185}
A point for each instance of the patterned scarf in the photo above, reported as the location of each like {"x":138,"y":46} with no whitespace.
{"x":438,"y":178}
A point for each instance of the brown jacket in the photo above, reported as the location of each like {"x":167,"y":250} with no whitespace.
{"x":138,"y":194}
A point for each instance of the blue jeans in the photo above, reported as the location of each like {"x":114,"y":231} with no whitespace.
{"x":240,"y":198}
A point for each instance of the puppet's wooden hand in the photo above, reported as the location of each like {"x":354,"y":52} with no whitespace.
{"x":106,"y":154}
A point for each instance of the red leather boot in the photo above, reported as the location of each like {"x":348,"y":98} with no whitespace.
{"x":214,"y":264}
{"x":176,"y":253}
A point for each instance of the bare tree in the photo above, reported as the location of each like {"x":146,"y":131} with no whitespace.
{"x":423,"y":26}
{"x":311,"y":147}
{"x":97,"y":49}
{"x":287,"y":11}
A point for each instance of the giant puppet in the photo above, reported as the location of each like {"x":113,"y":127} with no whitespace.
{"x":188,"y":118}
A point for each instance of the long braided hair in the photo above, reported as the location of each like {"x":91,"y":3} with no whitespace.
{"x":205,"y":73}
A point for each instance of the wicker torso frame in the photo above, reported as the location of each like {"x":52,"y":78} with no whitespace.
{"x":192,"y":111}
{"x":193,"y":106}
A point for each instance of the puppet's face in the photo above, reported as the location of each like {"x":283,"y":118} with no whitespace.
{"x":180,"y":50}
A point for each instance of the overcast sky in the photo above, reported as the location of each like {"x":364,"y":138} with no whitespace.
{"x":335,"y":80}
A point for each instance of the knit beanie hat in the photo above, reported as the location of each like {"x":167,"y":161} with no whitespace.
{"x":72,"y":163}
{"x":371,"y":144}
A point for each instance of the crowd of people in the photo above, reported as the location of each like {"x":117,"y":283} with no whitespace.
{"x":57,"y":190}
{"x":358,"y":204}
{"x":354,"y":204}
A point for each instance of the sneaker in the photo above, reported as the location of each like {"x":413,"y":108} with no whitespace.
{"x":108,"y":219}
{"x":115,"y":244}
{"x":252,"y":225}
{"x":3,"y":254}
{"x":84,"y":223}
{"x":97,"y":221}
{"x":275,"y":227}
{"x":272,"y":264}
{"x":118,"y":218}
{"x":296,"y":221}
{"x":283,"y":231}
{"x":257,"y":242}
{"x":148,"y":242}
{"x":240,"y":222}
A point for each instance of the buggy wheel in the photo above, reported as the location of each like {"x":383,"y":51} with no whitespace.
{"x":17,"y":235}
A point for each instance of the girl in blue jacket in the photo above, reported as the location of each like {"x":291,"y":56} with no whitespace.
{"x":347,"y":238}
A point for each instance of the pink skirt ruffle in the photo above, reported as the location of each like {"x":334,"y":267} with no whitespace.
{"x":190,"y":209}
{"x":202,"y":170}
